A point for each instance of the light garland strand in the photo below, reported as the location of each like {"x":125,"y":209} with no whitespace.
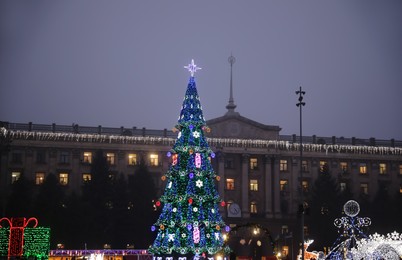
{"x":214,"y":142}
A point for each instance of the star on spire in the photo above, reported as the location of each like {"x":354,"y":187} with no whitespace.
{"x":192,"y":68}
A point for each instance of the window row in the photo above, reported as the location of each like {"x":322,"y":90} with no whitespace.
{"x":65,"y":157}
{"x":284,"y":186}
{"x":342,"y":166}
{"x":63,"y":177}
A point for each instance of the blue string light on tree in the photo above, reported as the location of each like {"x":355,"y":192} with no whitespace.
{"x":190,"y":224}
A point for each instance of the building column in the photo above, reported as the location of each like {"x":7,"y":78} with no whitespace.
{"x":245,"y":207}
{"x":269,"y":193}
{"x":221,"y":182}
{"x":277,"y":191}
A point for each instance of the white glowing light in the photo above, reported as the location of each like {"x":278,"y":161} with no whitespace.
{"x":192,"y":68}
{"x":196,"y":134}
{"x":199,"y":183}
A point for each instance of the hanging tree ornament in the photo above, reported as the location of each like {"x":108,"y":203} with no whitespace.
{"x":198,"y":160}
{"x":199,"y":183}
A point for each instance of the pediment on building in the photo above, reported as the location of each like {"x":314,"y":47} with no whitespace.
{"x":237,"y":126}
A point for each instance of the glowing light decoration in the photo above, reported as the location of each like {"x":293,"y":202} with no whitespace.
{"x":174,"y":159}
{"x":22,"y":240}
{"x":192,"y":68}
{"x":196,"y":134}
{"x":378,"y":246}
{"x":199,"y":183}
{"x":351,"y":230}
{"x":198,"y":160}
{"x":190,"y":217}
{"x":196,"y":235}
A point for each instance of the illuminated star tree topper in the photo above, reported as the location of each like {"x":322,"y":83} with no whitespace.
{"x":192,"y":67}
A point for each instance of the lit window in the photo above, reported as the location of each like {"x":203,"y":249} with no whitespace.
{"x":400,"y":189}
{"x":254,"y":185}
{"x":305,"y":186}
{"x":400,"y":169}
{"x":283,"y":185}
{"x":111,"y":158}
{"x":283,"y":165}
{"x":253,"y":163}
{"x":285,"y":251}
{"x":86,"y":177}
{"x":342,"y":186}
{"x":383,"y":168}
{"x":363,"y":168}
{"x":87,"y":157}
{"x":154,"y":159}
{"x":343,"y":166}
{"x":15,"y":176}
{"x":63,"y":178}
{"x":364,"y":188}
{"x":39,"y":178}
{"x":305,"y":167}
{"x":323,"y":166}
{"x":253,"y":207}
{"x":132,"y":159}
{"x":64,"y":157}
{"x":230,"y":184}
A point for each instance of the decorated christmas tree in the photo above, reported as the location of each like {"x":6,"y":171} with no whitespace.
{"x":190,"y":224}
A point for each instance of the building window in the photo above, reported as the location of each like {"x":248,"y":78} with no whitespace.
{"x":364,"y":188}
{"x":230,"y":184}
{"x":228,"y":204}
{"x":383,"y":168}
{"x":111,"y":158}
{"x":229,"y":163}
{"x":40,"y":156}
{"x":305,"y":186}
{"x":400,"y":169}
{"x":87,"y":157}
{"x":63,"y":178}
{"x":305,"y":167}
{"x":254,"y":185}
{"x":363,"y":168}
{"x":253,"y":207}
{"x":285,"y":229}
{"x":283,"y":165}
{"x":253,"y":163}
{"x":343,"y":166}
{"x":306,"y":231}
{"x":39,"y":178}
{"x":86,"y":177}
{"x":283,"y":185}
{"x":16,"y":158}
{"x":15,"y":176}
{"x":153,"y":159}
{"x":64,"y":157}
{"x":342,"y":186}
{"x":132,"y":159}
{"x":323,"y":166}
{"x":400,"y":189}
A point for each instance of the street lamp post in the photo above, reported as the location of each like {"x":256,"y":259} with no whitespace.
{"x":300,"y":104}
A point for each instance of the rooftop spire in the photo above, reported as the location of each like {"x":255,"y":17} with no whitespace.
{"x":231,"y":106}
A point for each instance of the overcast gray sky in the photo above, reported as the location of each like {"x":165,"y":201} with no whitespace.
{"x":120,"y":63}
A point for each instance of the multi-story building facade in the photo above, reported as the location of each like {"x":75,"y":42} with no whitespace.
{"x":259,"y":169}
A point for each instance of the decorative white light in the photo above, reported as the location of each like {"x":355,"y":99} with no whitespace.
{"x":199,"y":183}
{"x":196,"y":134}
{"x":192,"y":68}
